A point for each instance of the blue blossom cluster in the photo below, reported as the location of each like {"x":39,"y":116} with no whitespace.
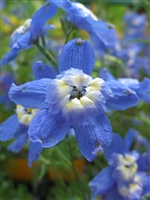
{"x":67,"y":97}
{"x":127,"y":176}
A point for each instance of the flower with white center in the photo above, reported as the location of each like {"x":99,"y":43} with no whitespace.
{"x":122,"y":180}
{"x":24,"y":115}
{"x":24,"y":36}
{"x":73,"y":100}
{"x":17,"y":127}
{"x":125,"y":166}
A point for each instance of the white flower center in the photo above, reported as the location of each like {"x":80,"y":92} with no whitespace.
{"x":25,"y":115}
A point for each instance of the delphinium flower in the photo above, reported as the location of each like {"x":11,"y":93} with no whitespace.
{"x":73,"y":100}
{"x":122,"y":179}
{"x":29,"y":32}
{"x":102,"y":34}
{"x":135,"y":25}
{"x":16,"y":127}
{"x":142,"y":88}
{"x":134,"y":46}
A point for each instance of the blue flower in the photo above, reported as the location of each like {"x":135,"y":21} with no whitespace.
{"x":25,"y":35}
{"x":135,"y":24}
{"x":102,"y":34}
{"x":73,"y":100}
{"x":142,"y":88}
{"x":122,"y":179}
{"x":16,"y":127}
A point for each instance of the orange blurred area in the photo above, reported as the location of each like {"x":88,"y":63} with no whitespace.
{"x":17,"y":169}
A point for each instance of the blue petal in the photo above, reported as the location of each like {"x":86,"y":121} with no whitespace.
{"x":40,"y":18}
{"x":47,"y":128}
{"x":23,"y":41}
{"x":9,"y":56}
{"x":146,"y":189}
{"x":10,"y":128}
{"x":102,"y":182}
{"x":92,"y":138}
{"x":142,"y":88}
{"x":117,"y":146}
{"x":31,"y":94}
{"x":18,"y":144}
{"x":130,"y":136}
{"x":42,"y":70}
{"x":35,"y":149}
{"x":77,"y":54}
{"x":105,"y":74}
{"x":124,"y":97}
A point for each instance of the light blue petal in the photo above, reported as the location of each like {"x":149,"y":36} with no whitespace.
{"x":124,"y":97}
{"x":48,"y":129}
{"x":142,"y":88}
{"x":64,"y":4}
{"x":146,"y":189}
{"x":40,"y":18}
{"x":102,"y":182}
{"x":35,"y":149}
{"x":92,"y":138}
{"x":77,"y":54}
{"x":31,"y":94}
{"x":9,"y":56}
{"x":42,"y":70}
{"x":23,"y":41}
{"x":18,"y":144}
{"x":9,"y":127}
{"x":105,"y":74}
{"x":116,"y":146}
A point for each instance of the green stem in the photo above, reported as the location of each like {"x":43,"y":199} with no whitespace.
{"x":62,"y":155}
{"x":44,"y":160}
{"x":81,"y":185}
{"x":47,"y":55}
{"x":68,"y":34}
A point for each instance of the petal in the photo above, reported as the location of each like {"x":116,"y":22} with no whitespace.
{"x":105,"y":74}
{"x":42,"y":70}
{"x":124,"y":97}
{"x":31,"y":94}
{"x":117,"y":146}
{"x":77,"y":54}
{"x":40,"y":18}
{"x":47,"y":128}
{"x":102,"y":182}
{"x":18,"y":144}
{"x":35,"y":149}
{"x":9,"y":56}
{"x":92,"y":138}
{"x":142,"y":88}
{"x":10,"y":128}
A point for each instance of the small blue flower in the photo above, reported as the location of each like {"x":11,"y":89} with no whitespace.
{"x":73,"y":100}
{"x":25,"y":35}
{"x":135,"y":24}
{"x":142,"y":88}
{"x":102,"y":34}
{"x":16,"y":127}
{"x":122,"y":179}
